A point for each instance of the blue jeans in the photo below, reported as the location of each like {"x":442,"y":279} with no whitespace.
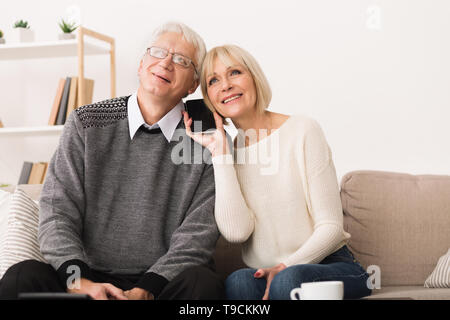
{"x":338,"y":266}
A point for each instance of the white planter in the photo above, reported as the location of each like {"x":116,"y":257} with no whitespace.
{"x":2,"y":40}
{"x":24,"y":35}
{"x":66,"y":36}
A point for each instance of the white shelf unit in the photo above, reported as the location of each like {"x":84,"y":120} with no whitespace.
{"x":31,"y":131}
{"x":78,"y":47}
{"x":87,"y":42}
{"x":47,"y":49}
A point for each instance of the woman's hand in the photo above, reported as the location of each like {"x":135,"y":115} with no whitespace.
{"x":216,"y":141}
{"x":269,"y":274}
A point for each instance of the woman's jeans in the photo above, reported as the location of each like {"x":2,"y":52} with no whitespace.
{"x":338,"y":266}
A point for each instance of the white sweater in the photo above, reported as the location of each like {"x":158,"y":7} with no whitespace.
{"x":283,"y":200}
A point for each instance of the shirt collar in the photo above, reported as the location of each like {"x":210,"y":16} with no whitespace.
{"x":168,"y":123}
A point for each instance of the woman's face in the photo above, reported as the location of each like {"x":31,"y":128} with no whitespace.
{"x":231,"y":89}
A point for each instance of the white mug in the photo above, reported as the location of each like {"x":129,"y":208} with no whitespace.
{"x":322,"y":290}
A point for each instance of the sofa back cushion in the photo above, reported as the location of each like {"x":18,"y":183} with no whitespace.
{"x":398,"y":222}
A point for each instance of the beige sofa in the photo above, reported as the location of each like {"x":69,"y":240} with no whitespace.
{"x":399,"y":223}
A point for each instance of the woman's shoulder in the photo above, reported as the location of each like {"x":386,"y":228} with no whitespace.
{"x":301,"y":123}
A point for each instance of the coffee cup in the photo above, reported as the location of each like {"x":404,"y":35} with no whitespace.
{"x":321,"y":290}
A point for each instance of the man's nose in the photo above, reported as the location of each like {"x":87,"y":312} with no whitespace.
{"x":166,"y":63}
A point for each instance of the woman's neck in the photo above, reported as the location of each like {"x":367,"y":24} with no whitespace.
{"x":254,"y":121}
{"x":259,"y":123}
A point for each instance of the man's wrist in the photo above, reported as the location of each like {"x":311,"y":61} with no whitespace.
{"x":152,"y":283}
{"x":71,"y":271}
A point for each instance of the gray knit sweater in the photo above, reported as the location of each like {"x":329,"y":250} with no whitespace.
{"x":123,"y":206}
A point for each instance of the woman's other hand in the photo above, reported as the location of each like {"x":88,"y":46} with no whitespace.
{"x":269,"y":274}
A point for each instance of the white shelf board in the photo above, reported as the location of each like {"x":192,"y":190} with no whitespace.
{"x":31,"y":131}
{"x":47,"y":49}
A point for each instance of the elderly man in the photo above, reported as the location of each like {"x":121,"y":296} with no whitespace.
{"x":119,"y":219}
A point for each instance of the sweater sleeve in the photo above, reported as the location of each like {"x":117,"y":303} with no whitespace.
{"x":235,"y":219}
{"x":62,"y":203}
{"x":193,"y":242}
{"x":323,"y":200}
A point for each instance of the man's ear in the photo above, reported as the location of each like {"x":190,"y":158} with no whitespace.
{"x":140,"y":67}
{"x":195,"y":84}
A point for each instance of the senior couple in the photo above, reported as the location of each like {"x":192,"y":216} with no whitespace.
{"x":134,"y":225}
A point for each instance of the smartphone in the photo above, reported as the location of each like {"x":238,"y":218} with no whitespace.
{"x":202,"y":117}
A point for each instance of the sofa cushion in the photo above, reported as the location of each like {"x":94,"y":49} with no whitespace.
{"x":19,"y":242}
{"x":398,"y":222}
{"x":5,"y":200}
{"x":440,"y":277}
{"x":409,"y":292}
{"x":32,"y":190}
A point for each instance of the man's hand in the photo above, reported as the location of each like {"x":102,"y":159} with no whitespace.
{"x":269,"y":274}
{"x":99,"y":291}
{"x":139,"y":294}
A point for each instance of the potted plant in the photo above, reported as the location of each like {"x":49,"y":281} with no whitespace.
{"x":25,"y":34}
{"x":67,"y":29}
{"x":2,"y":40}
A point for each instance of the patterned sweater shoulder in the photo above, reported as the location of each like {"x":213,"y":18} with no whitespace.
{"x":103,"y":113}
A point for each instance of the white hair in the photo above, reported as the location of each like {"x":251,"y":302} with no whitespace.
{"x":189,"y":35}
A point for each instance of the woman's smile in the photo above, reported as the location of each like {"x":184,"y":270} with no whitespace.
{"x":232,"y":98}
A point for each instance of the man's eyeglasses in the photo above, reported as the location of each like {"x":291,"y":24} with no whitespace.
{"x":177,"y":58}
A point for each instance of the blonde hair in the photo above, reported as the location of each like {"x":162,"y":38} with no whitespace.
{"x":230,"y":54}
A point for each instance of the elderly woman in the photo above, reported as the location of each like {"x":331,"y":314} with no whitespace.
{"x":284,"y":207}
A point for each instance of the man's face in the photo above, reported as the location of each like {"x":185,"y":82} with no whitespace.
{"x":165,"y":79}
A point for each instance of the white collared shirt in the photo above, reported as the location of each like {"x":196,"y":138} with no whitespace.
{"x":168,"y":123}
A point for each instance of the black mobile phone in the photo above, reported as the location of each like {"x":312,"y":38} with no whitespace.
{"x":202,"y":117}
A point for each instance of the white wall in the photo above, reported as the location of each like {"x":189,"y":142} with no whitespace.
{"x":375,"y":74}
